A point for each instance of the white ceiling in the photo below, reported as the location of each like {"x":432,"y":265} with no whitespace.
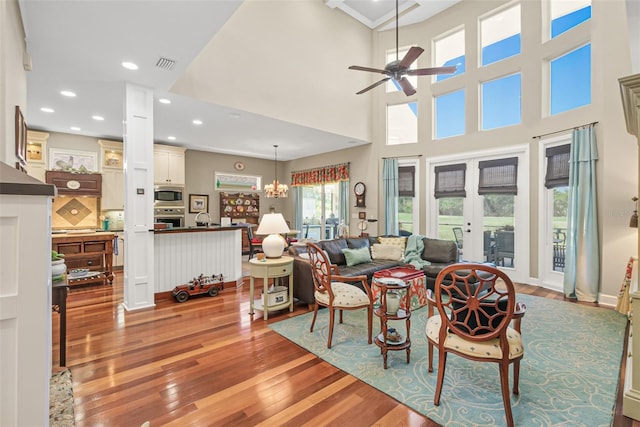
{"x":80,"y":45}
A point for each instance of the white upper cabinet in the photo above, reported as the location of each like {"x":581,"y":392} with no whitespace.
{"x":168,"y":163}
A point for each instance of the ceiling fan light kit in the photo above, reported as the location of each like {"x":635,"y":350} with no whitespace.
{"x":398,"y":69}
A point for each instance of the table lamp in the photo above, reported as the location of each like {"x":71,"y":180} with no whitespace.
{"x":273,"y":224}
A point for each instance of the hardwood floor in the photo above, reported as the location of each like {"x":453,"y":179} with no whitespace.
{"x":206,"y":362}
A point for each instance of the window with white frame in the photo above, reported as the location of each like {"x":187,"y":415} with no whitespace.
{"x":500,"y":35}
{"x":402,"y":123}
{"x":565,"y":15}
{"x":449,"y":114}
{"x":449,"y":51}
{"x":501,"y":103}
{"x":570,"y":80}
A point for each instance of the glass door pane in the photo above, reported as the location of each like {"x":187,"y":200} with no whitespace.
{"x":450,"y":221}
{"x":331,"y":210}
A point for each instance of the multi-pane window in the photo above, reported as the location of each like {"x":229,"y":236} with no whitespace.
{"x":571,"y":80}
{"x":500,"y":35}
{"x":402,"y":123}
{"x":565,"y":15}
{"x":501,"y":103}
{"x":449,"y":114}
{"x":449,"y":51}
{"x":392,"y":85}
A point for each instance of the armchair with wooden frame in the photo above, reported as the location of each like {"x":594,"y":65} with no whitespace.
{"x":337,"y":292}
{"x":476,"y":310}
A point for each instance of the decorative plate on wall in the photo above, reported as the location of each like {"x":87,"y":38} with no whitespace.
{"x":238,"y":166}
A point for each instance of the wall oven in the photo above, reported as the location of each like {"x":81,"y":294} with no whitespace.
{"x":167,"y":215}
{"x":166,"y":195}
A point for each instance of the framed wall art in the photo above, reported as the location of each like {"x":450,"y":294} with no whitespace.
{"x":235,"y":182}
{"x":21,"y":137}
{"x":198,"y":203}
{"x":72,"y":161}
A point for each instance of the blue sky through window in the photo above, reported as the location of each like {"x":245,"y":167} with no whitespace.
{"x":571,"y":80}
{"x":566,"y":22}
{"x":501,"y":102}
{"x":451,"y":122}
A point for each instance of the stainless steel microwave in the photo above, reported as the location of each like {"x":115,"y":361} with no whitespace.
{"x":167,"y":195}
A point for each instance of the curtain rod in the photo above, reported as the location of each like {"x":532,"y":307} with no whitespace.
{"x":402,"y":157}
{"x":564,"y":130}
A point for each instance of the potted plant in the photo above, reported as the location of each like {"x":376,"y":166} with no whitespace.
{"x":58,"y":266}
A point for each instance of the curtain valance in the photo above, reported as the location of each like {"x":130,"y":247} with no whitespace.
{"x":321,"y":175}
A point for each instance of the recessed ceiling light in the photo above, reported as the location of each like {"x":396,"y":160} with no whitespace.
{"x":164,"y":101}
{"x":197,"y":122}
{"x":129,"y":65}
{"x":68,"y":93}
{"x":75,"y":128}
{"x":171,"y":138}
{"x":99,"y":118}
{"x":47,"y":110}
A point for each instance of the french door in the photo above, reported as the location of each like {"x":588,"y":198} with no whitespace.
{"x":481,"y":203}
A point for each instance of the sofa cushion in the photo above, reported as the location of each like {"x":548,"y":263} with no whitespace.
{"x":380,"y":251}
{"x":334,"y":249}
{"x":357,"y":256}
{"x":397,"y":241}
{"x":358,"y":242}
{"x":439,"y":251}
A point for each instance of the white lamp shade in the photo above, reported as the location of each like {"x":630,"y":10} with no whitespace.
{"x":273,"y":224}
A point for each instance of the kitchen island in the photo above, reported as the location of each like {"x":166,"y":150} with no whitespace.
{"x":180,"y":254}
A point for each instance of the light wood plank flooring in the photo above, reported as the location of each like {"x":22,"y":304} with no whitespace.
{"x":206,"y":362}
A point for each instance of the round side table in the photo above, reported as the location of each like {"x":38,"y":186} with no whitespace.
{"x":383,"y":340}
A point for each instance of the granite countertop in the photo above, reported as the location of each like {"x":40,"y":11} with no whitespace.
{"x":72,"y":233}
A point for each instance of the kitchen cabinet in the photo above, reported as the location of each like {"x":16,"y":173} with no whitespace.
{"x":168,"y":164}
{"x":241,"y":207}
{"x":37,"y":154}
{"x":92,"y":251}
{"x":111,"y":161}
{"x":75,"y":184}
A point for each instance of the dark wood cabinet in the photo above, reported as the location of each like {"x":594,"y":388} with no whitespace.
{"x":241,"y":207}
{"x":86,"y":251}
{"x":75,"y":184}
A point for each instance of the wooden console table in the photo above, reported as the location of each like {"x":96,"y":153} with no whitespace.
{"x":59,"y":303}
{"x":92,"y":251}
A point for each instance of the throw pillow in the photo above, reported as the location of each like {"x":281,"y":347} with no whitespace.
{"x":396,"y":241}
{"x":392,"y":252}
{"x":356,"y":256}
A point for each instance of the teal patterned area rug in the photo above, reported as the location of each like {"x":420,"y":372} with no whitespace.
{"x":568,"y":376}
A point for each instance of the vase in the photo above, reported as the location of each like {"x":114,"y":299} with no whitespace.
{"x":58,"y":268}
{"x":393,"y":302}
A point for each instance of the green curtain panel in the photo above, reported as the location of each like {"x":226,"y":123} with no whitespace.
{"x":582,"y":268}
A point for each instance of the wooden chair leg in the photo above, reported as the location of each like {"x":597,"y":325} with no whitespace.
{"x":369,"y":322}
{"x":516,"y":377}
{"x":331,"y":319}
{"x":442,"y":363}
{"x":506,"y":396}
{"x":430,"y":346}
{"x":341,"y":315}
{"x":315,"y":314}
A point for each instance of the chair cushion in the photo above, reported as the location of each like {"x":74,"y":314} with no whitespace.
{"x":346,"y":295}
{"x":334,"y":249}
{"x":357,"y":256}
{"x":486,"y":349}
{"x":380,"y":251}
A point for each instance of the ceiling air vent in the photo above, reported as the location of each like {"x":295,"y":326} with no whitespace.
{"x":165,"y":63}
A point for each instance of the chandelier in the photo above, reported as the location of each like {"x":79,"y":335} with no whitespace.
{"x":276,"y":189}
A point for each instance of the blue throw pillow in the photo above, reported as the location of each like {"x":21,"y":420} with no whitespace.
{"x":357,"y":256}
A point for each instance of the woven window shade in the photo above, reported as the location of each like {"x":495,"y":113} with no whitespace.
{"x":557,"y":166}
{"x":406,"y":181}
{"x":498,"y":176}
{"x":450,"y":180}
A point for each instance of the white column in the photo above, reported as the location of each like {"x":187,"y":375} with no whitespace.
{"x":138,"y":198}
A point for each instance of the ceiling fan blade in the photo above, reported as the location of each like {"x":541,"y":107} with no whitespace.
{"x":407,"y":88}
{"x":431,"y":71}
{"x":411,"y":56}
{"x":376,"y":84}
{"x":373,"y":70}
